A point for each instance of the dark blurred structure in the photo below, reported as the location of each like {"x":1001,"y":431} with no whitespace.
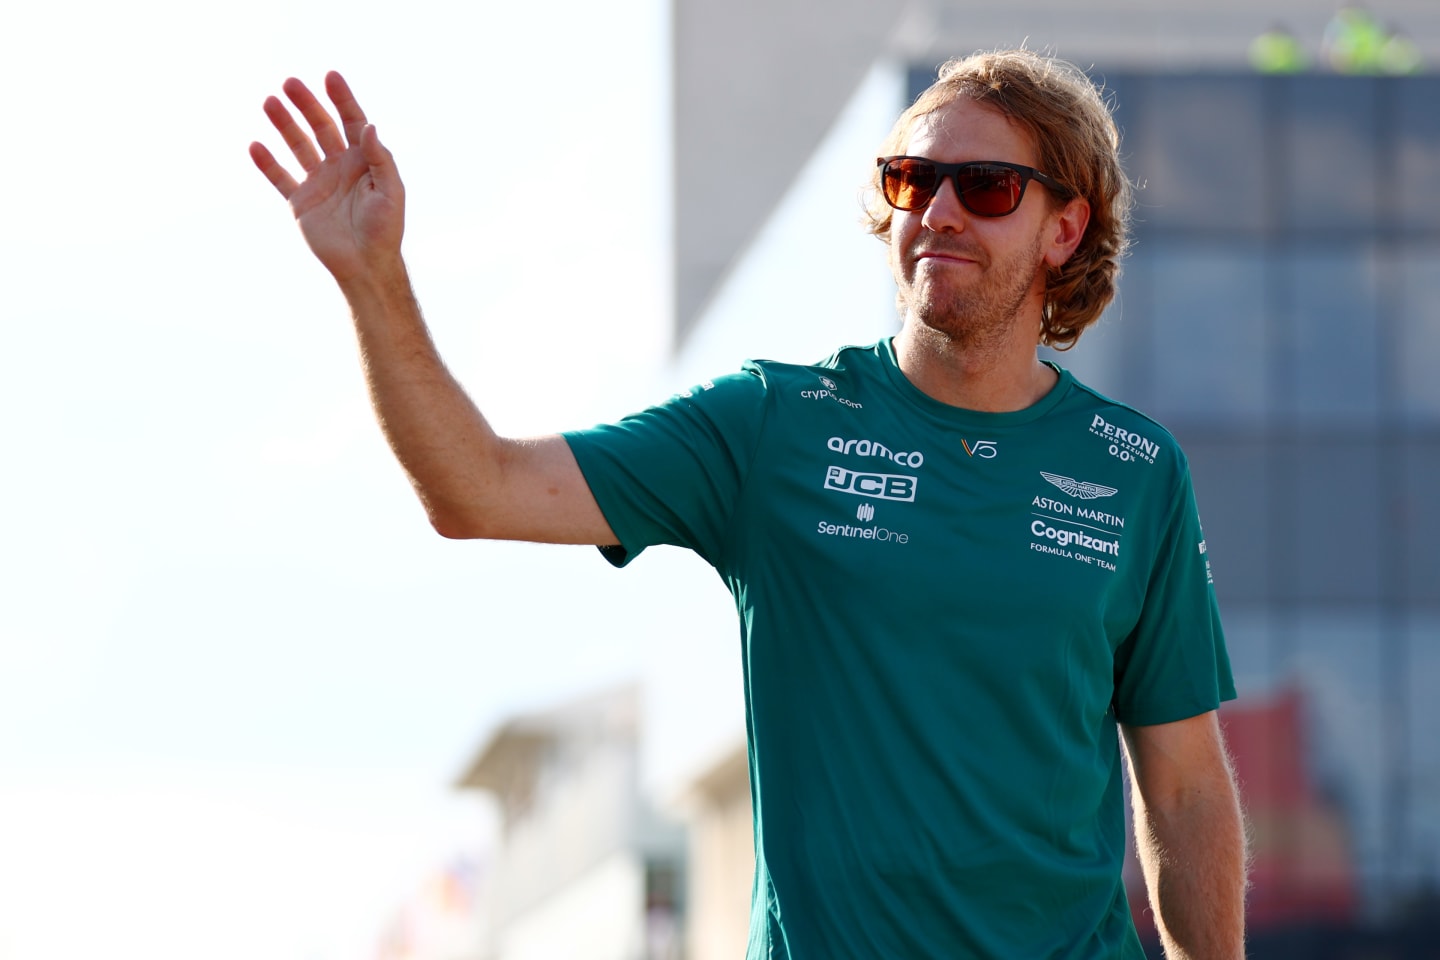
{"x":1303,"y":901}
{"x":1280,"y":313}
{"x":1302,"y":866}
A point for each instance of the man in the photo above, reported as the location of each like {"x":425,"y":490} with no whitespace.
{"x":958,"y":571}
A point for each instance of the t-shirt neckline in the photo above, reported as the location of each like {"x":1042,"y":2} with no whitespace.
{"x":945,"y":411}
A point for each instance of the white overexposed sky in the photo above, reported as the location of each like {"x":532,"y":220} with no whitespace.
{"x":238,"y":672}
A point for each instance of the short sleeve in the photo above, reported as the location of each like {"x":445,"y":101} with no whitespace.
{"x":672,"y":473}
{"x":1174,"y":664}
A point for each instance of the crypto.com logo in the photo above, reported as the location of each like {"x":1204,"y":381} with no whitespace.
{"x":828,"y":393}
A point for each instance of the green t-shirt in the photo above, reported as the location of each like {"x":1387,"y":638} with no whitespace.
{"x":943,"y":615}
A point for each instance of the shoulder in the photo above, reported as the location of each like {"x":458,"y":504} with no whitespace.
{"x":840,"y":377}
{"x":1128,"y":434}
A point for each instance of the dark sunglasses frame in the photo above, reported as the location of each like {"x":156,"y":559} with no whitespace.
{"x":954,"y":172}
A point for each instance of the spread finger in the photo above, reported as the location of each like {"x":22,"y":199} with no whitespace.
{"x":275,"y":173}
{"x":351,"y":116}
{"x":326,"y":133}
{"x":295,"y":138}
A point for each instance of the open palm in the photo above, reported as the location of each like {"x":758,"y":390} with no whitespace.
{"x":351,"y":204}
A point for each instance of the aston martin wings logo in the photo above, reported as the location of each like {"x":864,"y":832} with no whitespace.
{"x":1079,"y":488}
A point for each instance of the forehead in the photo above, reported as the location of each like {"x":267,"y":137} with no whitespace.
{"x":965,"y":130}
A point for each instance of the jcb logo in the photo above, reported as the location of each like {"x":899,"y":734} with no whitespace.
{"x":880,"y":486}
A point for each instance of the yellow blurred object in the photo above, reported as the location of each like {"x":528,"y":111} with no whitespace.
{"x":1354,"y":42}
{"x":1278,"y":51}
{"x":1400,"y":55}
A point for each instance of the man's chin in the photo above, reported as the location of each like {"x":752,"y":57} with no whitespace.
{"x":949,"y":321}
{"x":960,"y":323}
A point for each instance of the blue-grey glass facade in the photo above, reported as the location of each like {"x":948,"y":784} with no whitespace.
{"x":1280,"y":313}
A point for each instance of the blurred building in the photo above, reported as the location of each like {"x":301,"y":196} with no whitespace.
{"x":758,"y":83}
{"x":1281,"y":315}
{"x":721,"y":865}
{"x":585,"y":866}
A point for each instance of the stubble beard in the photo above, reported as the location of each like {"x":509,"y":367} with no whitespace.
{"x":979,"y":316}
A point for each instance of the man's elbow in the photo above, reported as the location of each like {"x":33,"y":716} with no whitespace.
{"x":455,"y":525}
{"x":451,"y":532}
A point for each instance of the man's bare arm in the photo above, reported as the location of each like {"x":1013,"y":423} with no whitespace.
{"x":1190,"y":836}
{"x":351,"y":210}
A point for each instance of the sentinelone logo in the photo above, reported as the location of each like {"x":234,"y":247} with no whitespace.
{"x":861,"y":533}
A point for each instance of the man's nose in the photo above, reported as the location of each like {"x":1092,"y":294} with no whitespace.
{"x":945,"y":212}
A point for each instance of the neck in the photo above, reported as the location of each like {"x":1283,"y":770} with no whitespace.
{"x":993,"y":378}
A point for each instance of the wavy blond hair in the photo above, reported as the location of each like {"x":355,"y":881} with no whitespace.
{"x":1076,"y":142}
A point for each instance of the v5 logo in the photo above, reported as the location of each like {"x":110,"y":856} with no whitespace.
{"x":984,"y":449}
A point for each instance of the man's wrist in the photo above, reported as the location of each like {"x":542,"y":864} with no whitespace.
{"x":384,"y":285}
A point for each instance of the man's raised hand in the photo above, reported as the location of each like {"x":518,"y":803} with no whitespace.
{"x":351,"y":203}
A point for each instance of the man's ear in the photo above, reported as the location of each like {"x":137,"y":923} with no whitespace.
{"x":1070,"y":224}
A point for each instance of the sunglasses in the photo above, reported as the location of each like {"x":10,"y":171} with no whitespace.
{"x":987,"y":188}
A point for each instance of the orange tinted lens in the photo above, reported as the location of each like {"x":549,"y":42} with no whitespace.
{"x":909,"y":184}
{"x":990,"y":191}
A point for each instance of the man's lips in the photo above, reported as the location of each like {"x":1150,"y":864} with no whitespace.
{"x":946,"y":256}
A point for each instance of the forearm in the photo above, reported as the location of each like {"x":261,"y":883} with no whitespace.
{"x":1192,"y":851}
{"x":451,"y":455}
{"x":351,"y":210}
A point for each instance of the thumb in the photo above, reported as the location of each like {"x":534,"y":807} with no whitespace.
{"x":382,"y":162}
